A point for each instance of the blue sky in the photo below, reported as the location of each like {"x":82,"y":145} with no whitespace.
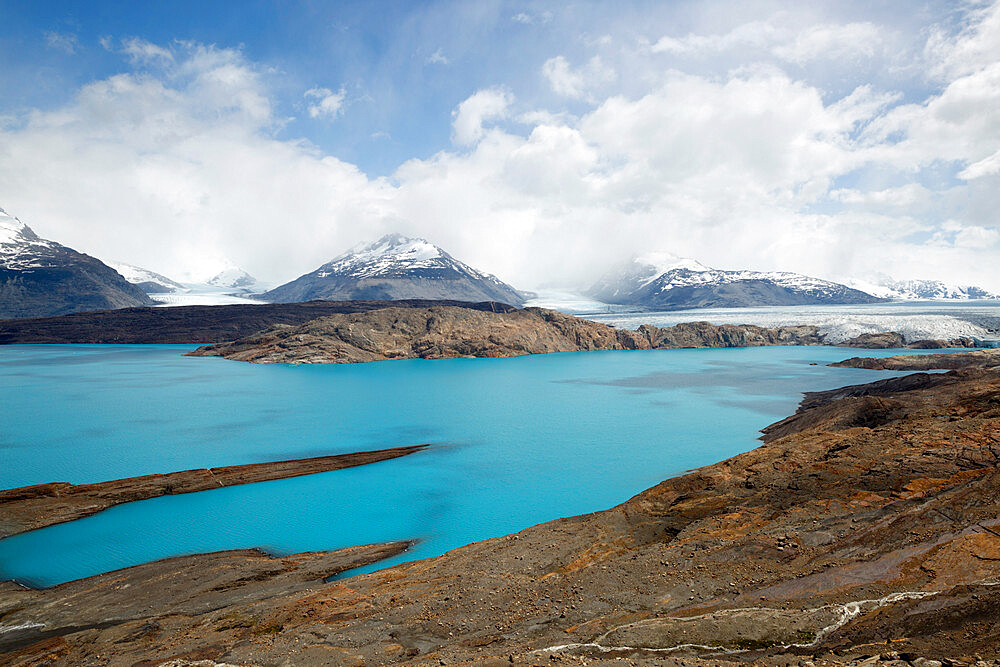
{"x":540,"y":141}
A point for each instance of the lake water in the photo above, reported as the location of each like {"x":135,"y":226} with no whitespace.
{"x":517,"y":441}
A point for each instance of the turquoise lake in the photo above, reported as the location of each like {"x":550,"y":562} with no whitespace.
{"x":517,"y":441}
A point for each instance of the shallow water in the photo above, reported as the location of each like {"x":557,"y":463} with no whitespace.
{"x":518,"y":441}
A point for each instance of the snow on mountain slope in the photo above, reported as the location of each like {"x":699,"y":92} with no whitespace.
{"x":149,"y":281}
{"x":916,"y":290}
{"x":396,"y":267}
{"x":20,"y":248}
{"x":233,"y":277}
{"x":678,"y":283}
{"x":39,"y":277}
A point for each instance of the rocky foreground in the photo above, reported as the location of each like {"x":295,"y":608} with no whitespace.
{"x":31,"y":507}
{"x":448,"y":332}
{"x":865,"y":530}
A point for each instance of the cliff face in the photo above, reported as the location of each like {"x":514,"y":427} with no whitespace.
{"x":443,"y":332}
{"x":864,"y":531}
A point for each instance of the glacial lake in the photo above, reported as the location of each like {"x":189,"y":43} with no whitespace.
{"x":516,"y":442}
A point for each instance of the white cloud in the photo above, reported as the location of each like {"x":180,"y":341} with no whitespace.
{"x":174,"y":165}
{"x":437,"y":58}
{"x":575,"y":83}
{"x":852,"y":41}
{"x":988,"y":166}
{"x":484,"y":105}
{"x":975,"y":47}
{"x":65,"y":42}
{"x":142,"y":51}
{"x":904,"y":196}
{"x":528,"y":19}
{"x":325,"y":103}
{"x":777,"y":37}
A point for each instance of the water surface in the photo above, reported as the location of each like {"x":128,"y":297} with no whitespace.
{"x":518,"y":441}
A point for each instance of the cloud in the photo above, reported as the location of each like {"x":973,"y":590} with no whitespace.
{"x":988,"y":166}
{"x":65,"y":42}
{"x":528,"y":19}
{"x":852,"y":41}
{"x":325,"y":103}
{"x":179,"y":170}
{"x":182,"y":159}
{"x":141,"y":51}
{"x":786,"y":42}
{"x":571,"y":83}
{"x":484,"y":105}
{"x":437,"y":58}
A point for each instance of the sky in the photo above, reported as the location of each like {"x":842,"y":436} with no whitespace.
{"x":541,"y":142}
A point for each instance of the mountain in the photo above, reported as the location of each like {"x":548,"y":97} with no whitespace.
{"x":233,"y":277}
{"x":918,"y":290}
{"x":667,"y":282}
{"x":146,"y":280}
{"x":40,"y":277}
{"x":395,"y":267}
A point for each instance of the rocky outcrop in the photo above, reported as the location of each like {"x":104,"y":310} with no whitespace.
{"x":189,"y":586}
{"x":445,"y":332}
{"x":442,"y":332}
{"x":843,"y":540}
{"x":916,"y":362}
{"x":30,"y":507}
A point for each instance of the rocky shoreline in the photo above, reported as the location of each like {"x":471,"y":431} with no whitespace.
{"x":863,"y":531}
{"x":440,"y":332}
{"x":31,"y":507}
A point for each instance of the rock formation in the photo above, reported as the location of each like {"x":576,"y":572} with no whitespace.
{"x":446,"y":332}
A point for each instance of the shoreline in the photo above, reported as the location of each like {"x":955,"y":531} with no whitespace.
{"x":32,"y":507}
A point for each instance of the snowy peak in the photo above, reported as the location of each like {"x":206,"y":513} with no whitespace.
{"x":14,"y":232}
{"x":396,"y":247}
{"x":391,"y":254}
{"x":396,"y":267}
{"x":661,"y":280}
{"x":662,"y":262}
{"x":40,"y":277}
{"x":232,"y":277}
{"x":917,"y":290}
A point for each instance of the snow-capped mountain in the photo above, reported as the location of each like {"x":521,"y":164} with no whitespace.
{"x":667,"y":282}
{"x":233,"y":277}
{"x":396,"y":267}
{"x":919,"y":290}
{"x":39,"y":277}
{"x":148,"y":281}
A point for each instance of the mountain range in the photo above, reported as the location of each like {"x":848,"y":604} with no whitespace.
{"x":396,"y":267}
{"x":39,"y":277}
{"x":918,"y":290}
{"x":666,"y":282}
